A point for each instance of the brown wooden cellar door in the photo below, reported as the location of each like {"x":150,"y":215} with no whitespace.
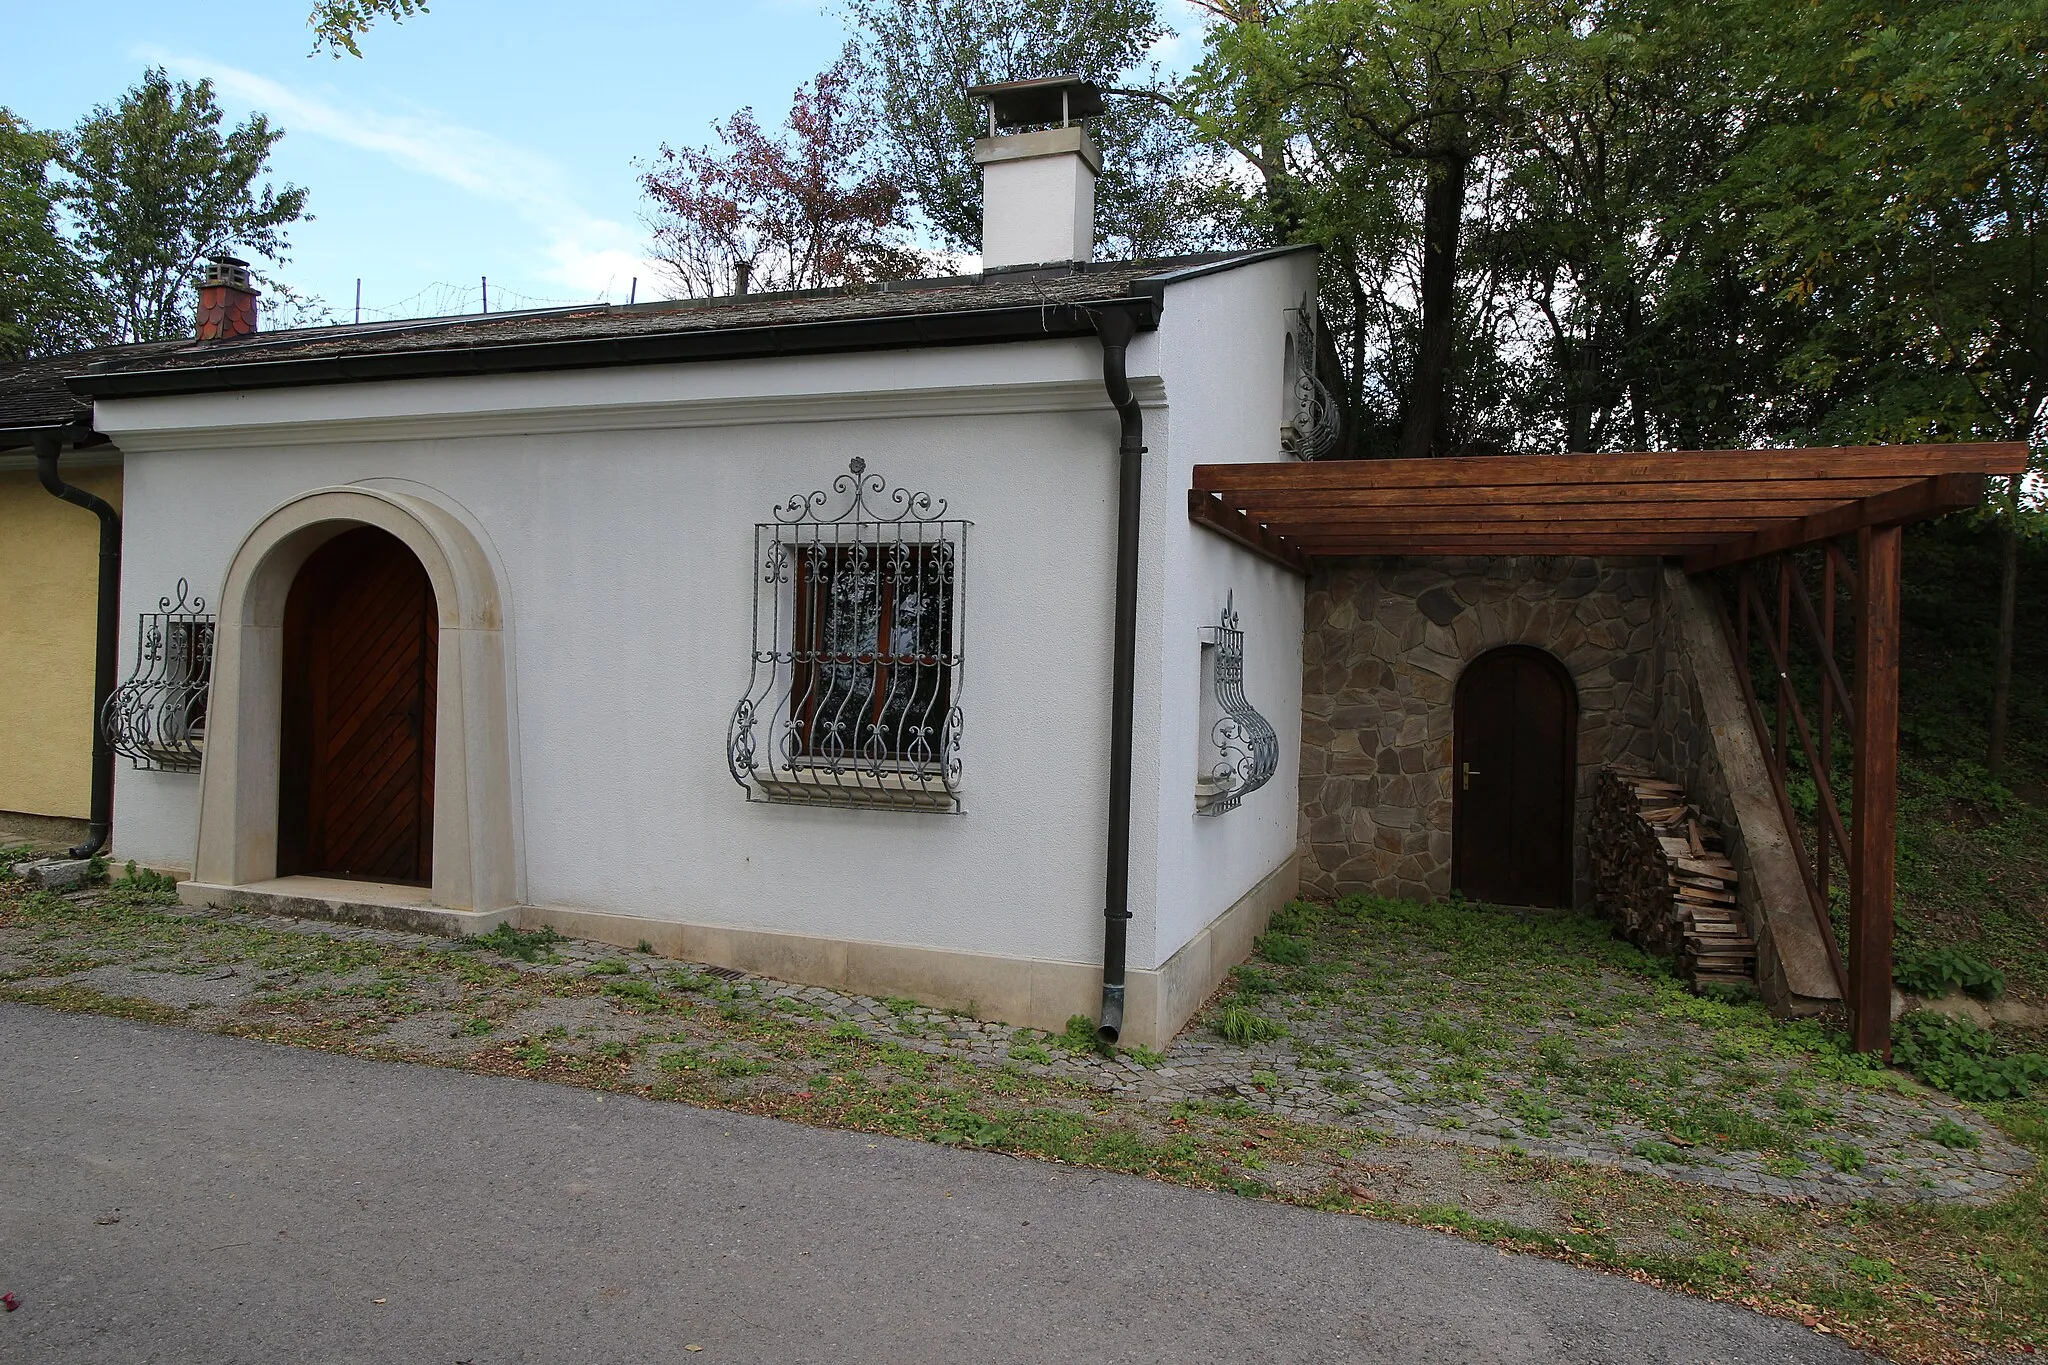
{"x":356,"y":785}
{"x":1514,"y":737}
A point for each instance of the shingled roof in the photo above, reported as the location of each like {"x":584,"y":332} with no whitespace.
{"x":1009,"y":305}
{"x":33,"y":393}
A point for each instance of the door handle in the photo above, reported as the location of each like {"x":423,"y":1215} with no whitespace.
{"x":1469,"y":772}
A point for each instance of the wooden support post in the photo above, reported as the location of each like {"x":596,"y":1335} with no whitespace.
{"x":1874,"y":839}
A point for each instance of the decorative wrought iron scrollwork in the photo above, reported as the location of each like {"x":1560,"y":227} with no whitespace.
{"x":1313,"y":416}
{"x":157,"y":718}
{"x":858,"y":651}
{"x":1248,"y":749}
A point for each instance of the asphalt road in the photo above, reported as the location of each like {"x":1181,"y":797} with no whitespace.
{"x":176,"y":1196}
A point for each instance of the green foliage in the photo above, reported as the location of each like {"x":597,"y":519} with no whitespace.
{"x":1298,"y":918}
{"x":1948,"y":1133}
{"x":1964,"y":1059}
{"x":1030,"y":1052}
{"x":637,"y":990}
{"x":1239,"y":1023}
{"x":139,"y":886}
{"x":1935,"y":972}
{"x":47,"y":302}
{"x":1079,"y":1036}
{"x":155,"y":187}
{"x":1846,"y":1157}
{"x":529,"y":946}
{"x":610,"y":966}
{"x":1282,"y":949}
{"x":338,"y":24}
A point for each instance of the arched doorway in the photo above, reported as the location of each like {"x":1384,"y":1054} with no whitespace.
{"x":356,"y":761}
{"x":1514,"y":743}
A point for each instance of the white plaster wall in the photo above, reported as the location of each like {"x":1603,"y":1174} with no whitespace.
{"x":620,"y":506}
{"x":1221,"y":352}
{"x":627,"y":562}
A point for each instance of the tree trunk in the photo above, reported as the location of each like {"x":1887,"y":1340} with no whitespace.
{"x":2008,"y":601}
{"x":1443,"y":214}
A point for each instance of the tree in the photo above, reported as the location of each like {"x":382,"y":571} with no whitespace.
{"x":1899,"y":186}
{"x":155,"y":188}
{"x":1380,"y":112}
{"x":47,"y":302}
{"x":337,"y":24}
{"x":799,"y":210}
{"x":915,"y":60}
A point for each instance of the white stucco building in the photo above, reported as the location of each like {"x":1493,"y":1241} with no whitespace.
{"x":779,"y":632}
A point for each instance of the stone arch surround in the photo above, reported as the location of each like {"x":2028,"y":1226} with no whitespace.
{"x":1386,"y":641}
{"x":475,"y":858}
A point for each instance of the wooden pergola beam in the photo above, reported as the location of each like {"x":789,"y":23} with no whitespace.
{"x":1795,"y":496}
{"x":1929,"y":497}
{"x":1813,"y":463}
{"x":1233,"y":524}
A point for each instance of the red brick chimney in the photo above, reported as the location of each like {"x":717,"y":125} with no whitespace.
{"x":227,"y":300}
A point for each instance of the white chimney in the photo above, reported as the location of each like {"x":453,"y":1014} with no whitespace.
{"x":1038,"y":187}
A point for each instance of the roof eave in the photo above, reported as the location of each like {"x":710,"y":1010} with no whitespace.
{"x":960,"y":327}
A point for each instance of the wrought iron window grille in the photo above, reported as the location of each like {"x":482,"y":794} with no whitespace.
{"x":1313,"y":417}
{"x":157,"y":718}
{"x":1247,"y":748}
{"x":858,"y":651}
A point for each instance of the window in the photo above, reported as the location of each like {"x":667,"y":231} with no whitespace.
{"x":872,"y":661}
{"x":854,"y":698}
{"x":158,"y":717}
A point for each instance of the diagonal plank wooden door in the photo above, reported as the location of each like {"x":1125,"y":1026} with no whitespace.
{"x":1514,"y":737}
{"x":361,"y":640}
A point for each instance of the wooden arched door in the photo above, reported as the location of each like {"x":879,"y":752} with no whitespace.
{"x":1513,"y":750}
{"x":356,"y":775}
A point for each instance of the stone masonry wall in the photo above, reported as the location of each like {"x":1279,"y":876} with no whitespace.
{"x":1386,"y":641}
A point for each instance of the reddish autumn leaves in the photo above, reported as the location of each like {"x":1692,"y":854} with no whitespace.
{"x":801,"y":208}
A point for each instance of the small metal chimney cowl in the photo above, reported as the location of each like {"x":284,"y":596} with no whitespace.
{"x":1038,"y":186}
{"x":227,"y":300}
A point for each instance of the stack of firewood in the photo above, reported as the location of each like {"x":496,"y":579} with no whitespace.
{"x":1660,"y":872}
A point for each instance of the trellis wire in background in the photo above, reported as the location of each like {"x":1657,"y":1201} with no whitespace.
{"x":1247,"y":748}
{"x":157,"y":718}
{"x":858,"y":651}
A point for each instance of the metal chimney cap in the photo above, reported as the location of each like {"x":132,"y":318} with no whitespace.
{"x":229,"y":270}
{"x":1048,"y":99}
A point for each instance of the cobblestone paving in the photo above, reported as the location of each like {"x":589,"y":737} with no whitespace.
{"x":1399,"y":1039}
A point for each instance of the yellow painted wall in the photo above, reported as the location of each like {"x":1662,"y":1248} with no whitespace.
{"x":49,"y":585}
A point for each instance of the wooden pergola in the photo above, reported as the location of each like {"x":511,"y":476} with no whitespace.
{"x":1712,"y":510}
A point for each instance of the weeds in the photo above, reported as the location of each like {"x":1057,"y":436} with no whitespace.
{"x":530,"y":946}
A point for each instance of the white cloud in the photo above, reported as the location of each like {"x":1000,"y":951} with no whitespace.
{"x":584,"y":252}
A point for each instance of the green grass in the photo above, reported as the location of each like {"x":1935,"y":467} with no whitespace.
{"x":1921,"y":1282}
{"x":1973,"y":853}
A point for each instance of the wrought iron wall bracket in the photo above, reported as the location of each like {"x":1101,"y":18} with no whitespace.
{"x":858,"y":651}
{"x":1247,"y":748}
{"x":157,"y":718}
{"x":1313,"y":416}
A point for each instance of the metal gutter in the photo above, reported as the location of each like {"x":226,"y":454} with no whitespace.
{"x":960,"y":327}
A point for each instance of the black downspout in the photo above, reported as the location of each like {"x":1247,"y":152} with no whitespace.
{"x":1115,"y":327}
{"x":48,"y":445}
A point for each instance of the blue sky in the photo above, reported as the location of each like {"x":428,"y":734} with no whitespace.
{"x":486,"y":138}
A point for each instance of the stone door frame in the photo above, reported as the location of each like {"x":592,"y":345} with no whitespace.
{"x":475,"y":858}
